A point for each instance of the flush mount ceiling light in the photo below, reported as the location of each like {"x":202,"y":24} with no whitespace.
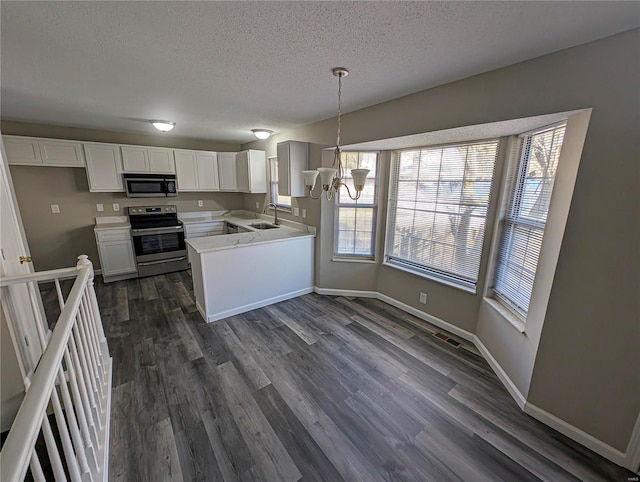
{"x":163,"y":126}
{"x":332,"y":177}
{"x":262,"y":133}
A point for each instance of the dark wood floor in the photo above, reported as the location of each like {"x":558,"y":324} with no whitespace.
{"x":315,"y":388}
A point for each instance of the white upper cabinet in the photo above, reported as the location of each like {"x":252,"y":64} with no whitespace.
{"x":227,"y":171}
{"x":161,"y":160}
{"x":251,"y":169}
{"x":33,"y":151}
{"x":293,"y":158}
{"x":207,"y":169}
{"x":104,"y":167}
{"x":196,"y":170}
{"x":147,"y":159}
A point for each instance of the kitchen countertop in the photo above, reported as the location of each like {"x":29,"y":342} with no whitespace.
{"x":256,"y":236}
{"x":112,"y":222}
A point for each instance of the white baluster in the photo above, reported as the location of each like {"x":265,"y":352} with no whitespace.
{"x":52,"y":450}
{"x":73,"y":424}
{"x":67,"y":446}
{"x":94,"y":330}
{"x":89,"y":354}
{"x":59,"y":293}
{"x":93,"y":344}
{"x":87,"y":442}
{"x":36,"y":468}
{"x":88,"y":379}
{"x":86,"y":403}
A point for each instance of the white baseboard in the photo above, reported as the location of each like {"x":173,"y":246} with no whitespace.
{"x":502,"y":375}
{"x":346,"y":293}
{"x":599,"y":447}
{"x":464,"y":334}
{"x":630,"y":459}
{"x":258,"y":304}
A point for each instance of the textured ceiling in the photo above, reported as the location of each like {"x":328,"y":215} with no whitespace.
{"x":219,"y":69}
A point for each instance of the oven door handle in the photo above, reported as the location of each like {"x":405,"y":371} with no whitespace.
{"x":163,"y":230}
{"x":149,"y":263}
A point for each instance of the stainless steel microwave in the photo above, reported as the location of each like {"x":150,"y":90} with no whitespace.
{"x":150,"y":185}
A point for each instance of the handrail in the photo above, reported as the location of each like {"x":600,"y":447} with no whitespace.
{"x":72,"y":376}
{"x":50,"y":275}
{"x":26,"y":426}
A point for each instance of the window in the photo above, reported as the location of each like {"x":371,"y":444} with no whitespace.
{"x":356,"y":220}
{"x":526,"y":216}
{"x":438,"y":200}
{"x":283,"y":202}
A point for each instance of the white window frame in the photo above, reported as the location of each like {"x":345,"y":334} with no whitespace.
{"x":424,"y":271}
{"x":512,"y":192}
{"x":349,"y":203}
{"x":273,"y":185}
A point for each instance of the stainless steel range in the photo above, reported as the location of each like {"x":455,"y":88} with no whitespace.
{"x":158,"y":239}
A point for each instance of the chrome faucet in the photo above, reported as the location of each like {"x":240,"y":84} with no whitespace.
{"x":275,"y":208}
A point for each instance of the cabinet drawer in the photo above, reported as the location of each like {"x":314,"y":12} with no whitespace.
{"x":113,"y":235}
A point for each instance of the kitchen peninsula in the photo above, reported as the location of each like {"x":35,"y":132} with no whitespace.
{"x":240,"y":272}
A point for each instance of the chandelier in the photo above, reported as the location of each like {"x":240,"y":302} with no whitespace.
{"x":332,"y":178}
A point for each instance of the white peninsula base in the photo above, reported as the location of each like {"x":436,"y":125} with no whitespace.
{"x":244,"y":277}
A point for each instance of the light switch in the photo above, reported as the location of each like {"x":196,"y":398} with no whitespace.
{"x":200,"y":203}
{"x":296,"y":212}
{"x":55,"y":209}
{"x":257,"y":205}
{"x":100,"y":207}
{"x":116,"y":206}
{"x":304,"y":213}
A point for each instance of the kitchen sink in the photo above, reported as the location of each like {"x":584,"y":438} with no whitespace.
{"x":263,"y":226}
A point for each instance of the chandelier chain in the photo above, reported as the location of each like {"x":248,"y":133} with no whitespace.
{"x":339,"y":108}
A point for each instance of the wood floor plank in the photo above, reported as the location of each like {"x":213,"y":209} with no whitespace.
{"x":314,"y":388}
{"x":271,"y":458}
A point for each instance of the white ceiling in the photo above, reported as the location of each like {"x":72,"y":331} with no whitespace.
{"x":219,"y":69}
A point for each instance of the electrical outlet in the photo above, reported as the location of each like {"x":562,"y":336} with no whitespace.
{"x":100,"y":208}
{"x":296,"y":212}
{"x":423,"y":298}
{"x":200,"y":203}
{"x":55,"y":209}
{"x":304,"y":213}
{"x":116,"y":207}
{"x":257,"y":205}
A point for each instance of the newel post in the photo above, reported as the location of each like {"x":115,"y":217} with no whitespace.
{"x":84,"y":261}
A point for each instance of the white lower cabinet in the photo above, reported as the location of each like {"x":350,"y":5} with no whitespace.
{"x":117,"y":257}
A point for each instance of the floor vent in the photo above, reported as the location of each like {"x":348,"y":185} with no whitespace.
{"x":451,"y":341}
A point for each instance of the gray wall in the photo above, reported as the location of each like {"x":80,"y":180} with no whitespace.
{"x":587,"y":366}
{"x":56,"y":240}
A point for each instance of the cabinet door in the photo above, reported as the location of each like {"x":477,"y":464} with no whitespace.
{"x":284,"y":179}
{"x":186,"y":170}
{"x":161,"y":160}
{"x":257,"y":171}
{"x":135,"y":159}
{"x":116,"y":257}
{"x":22,"y":150}
{"x":227,"y":171}
{"x":104,"y":167}
{"x":207,"y":170}
{"x":242,"y":171}
{"x":61,"y":153}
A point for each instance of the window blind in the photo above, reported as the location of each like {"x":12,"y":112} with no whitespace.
{"x":281,"y":201}
{"x":526,"y":218}
{"x":356,"y":220}
{"x":438,"y":201}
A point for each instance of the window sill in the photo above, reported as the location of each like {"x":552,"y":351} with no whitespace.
{"x":437,"y":279}
{"x":509,"y":317}
{"x":345,"y":259}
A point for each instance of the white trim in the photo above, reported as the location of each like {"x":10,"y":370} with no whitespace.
{"x":467,"y":287}
{"x":345,"y":293}
{"x":633,"y":449}
{"x":201,"y":310}
{"x":258,"y":304}
{"x":502,"y":375}
{"x":464,"y":334}
{"x":589,"y":441}
{"x":106,"y":420}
